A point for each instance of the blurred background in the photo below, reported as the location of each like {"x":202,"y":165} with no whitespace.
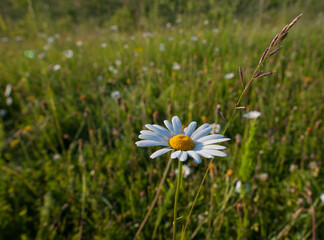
{"x":79,"y":80}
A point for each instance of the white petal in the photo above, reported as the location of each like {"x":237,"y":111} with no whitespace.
{"x":175,"y":154}
{"x":189,"y":130}
{"x":216,"y":141}
{"x":215,"y":152}
{"x":183,"y":157}
{"x":194,"y":156}
{"x":204,"y":154}
{"x":163,"y":132}
{"x":210,"y":137}
{"x":154,"y":137}
{"x":170,"y":127}
{"x":198,"y":146}
{"x":147,"y":132}
{"x":201,"y":133}
{"x":177,"y":126}
{"x":202,"y":127}
{"x":215,"y":147}
{"x":150,"y":143}
{"x":160,"y":152}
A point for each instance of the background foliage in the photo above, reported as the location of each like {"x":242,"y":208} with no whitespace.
{"x":69,"y":166}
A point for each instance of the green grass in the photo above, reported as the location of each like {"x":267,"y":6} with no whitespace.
{"x":69,"y":165}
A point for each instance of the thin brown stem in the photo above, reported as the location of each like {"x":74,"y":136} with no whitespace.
{"x":166,"y":170}
{"x":194,"y":202}
{"x":264,"y":56}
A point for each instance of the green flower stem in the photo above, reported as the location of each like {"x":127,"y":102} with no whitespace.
{"x":155,"y":199}
{"x":176,"y":200}
{"x":225,"y":129}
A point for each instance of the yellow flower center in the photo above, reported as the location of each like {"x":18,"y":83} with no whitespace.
{"x":181,"y":142}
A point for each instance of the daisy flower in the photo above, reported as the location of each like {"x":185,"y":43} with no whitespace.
{"x":229,"y":75}
{"x":216,"y":128}
{"x":322,"y":197}
{"x":68,"y":53}
{"x":252,"y":115}
{"x":185,"y":170}
{"x":186,"y":142}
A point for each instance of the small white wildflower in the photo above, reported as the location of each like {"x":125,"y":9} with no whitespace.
{"x":176,"y":66}
{"x":79,"y":43}
{"x":3,"y":112}
{"x":182,"y":42}
{"x":42,"y":55}
{"x":238,"y":186}
{"x":206,"y":22}
{"x":4,"y":39}
{"x":313,"y":165}
{"x":162,"y":47}
{"x":115,"y":94}
{"x":229,"y":75}
{"x":180,"y":30}
{"x":263,"y":176}
{"x":144,"y":69}
{"x":204,"y":41}
{"x":300,"y":201}
{"x":57,"y":36}
{"x":322,"y":197}
{"x":216,"y":49}
{"x":56,"y":157}
{"x":18,"y":38}
{"x":113,"y":69}
{"x":132,"y":38}
{"x":118,"y":62}
{"x":56,"y":67}
{"x":68,"y":39}
{"x":170,"y":39}
{"x":103,"y":45}
{"x":9,"y":101}
{"x":8,"y":90}
{"x":147,"y":35}
{"x":46,"y":47}
{"x":50,"y":40}
{"x":114,"y":28}
{"x":201,"y":218}
{"x":168,"y":25}
{"x":68,"y":53}
{"x":216,"y":128}
{"x":185,"y":171}
{"x":292,"y":167}
{"x":178,"y":20}
{"x":194,"y":38}
{"x":125,"y":46}
{"x":252,"y":115}
{"x":215,"y":30}
{"x":99,"y":78}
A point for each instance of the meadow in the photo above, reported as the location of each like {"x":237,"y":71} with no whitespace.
{"x":75,"y":96}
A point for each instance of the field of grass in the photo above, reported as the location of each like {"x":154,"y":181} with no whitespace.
{"x":72,"y":105}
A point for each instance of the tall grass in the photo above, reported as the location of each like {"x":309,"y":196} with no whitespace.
{"x":69,"y":166}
